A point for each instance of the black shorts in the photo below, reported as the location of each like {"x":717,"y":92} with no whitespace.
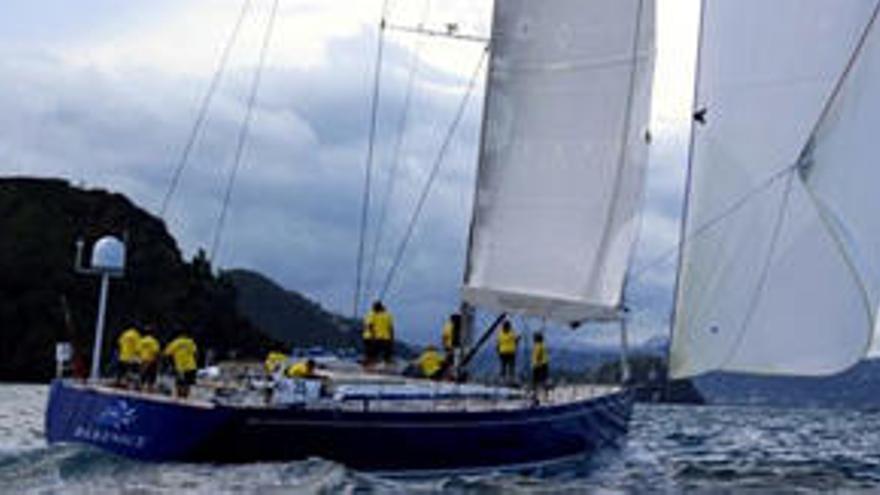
{"x":149,"y":372}
{"x":370,"y":348}
{"x":186,"y":378}
{"x":385,"y":349}
{"x":540,"y":374}
{"x":507,"y":359}
{"x":128,"y":369}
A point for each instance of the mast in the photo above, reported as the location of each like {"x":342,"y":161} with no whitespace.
{"x":467,"y":310}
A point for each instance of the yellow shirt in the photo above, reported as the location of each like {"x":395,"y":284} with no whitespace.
{"x":447,"y":336}
{"x":274,"y":360}
{"x":148,"y":348}
{"x":380,"y":325}
{"x":507,"y":342}
{"x":430,"y":362}
{"x":299,"y":370}
{"x":128,"y":345}
{"x":183,"y":352}
{"x":539,"y":355}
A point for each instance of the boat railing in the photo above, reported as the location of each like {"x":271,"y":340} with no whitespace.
{"x":446,"y":397}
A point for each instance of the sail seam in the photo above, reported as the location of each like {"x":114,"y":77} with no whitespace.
{"x":839,"y":244}
{"x":583,"y":65}
{"x":765,"y":271}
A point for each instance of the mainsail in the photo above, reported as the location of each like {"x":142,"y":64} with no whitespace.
{"x":562,"y":162}
{"x":780,"y":260}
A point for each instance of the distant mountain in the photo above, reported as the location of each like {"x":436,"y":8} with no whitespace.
{"x":42,"y":300}
{"x":858,"y":387}
{"x":288,"y":316}
{"x":295,"y":320}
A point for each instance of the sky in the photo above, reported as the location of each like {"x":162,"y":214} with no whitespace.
{"x":105,"y":93}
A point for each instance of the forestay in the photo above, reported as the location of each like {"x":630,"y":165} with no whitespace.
{"x":563,"y":156}
{"x":781,"y":253}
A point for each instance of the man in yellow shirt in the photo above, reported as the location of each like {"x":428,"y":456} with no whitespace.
{"x":129,"y":365}
{"x":379,"y":324}
{"x":148,"y":354}
{"x":369,"y":340}
{"x":507,"y":345}
{"x":430,"y":363}
{"x":301,"y":369}
{"x":540,"y":362}
{"x":274,"y":361}
{"x":182,"y":351}
{"x":452,"y":336}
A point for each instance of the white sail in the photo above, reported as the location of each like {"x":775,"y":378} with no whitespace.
{"x":781,"y":248}
{"x":563,"y":157}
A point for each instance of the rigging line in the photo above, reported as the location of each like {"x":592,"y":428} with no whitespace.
{"x":203,"y":108}
{"x":368,"y":169}
{"x":708,"y":224}
{"x":826,"y":217}
{"x":844,"y":76}
{"x":395,"y":158}
{"x":433,"y":174}
{"x":765,"y":271}
{"x":244,"y":130}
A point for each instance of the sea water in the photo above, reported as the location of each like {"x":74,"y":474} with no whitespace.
{"x":671,"y":449}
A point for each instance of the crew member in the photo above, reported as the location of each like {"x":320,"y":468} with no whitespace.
{"x":128,"y":356}
{"x":507,"y":345}
{"x":452,"y":335}
{"x":380,"y":324}
{"x":301,"y":369}
{"x":182,"y":351}
{"x":148,"y":353}
{"x":540,"y":362}
{"x":369,"y":341}
{"x":274,"y":361}
{"x":430,"y":363}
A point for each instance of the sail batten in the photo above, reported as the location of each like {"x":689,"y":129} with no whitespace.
{"x":563,"y":156}
{"x":786,"y":284}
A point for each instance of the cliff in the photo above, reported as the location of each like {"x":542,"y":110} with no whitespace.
{"x":42,"y":300}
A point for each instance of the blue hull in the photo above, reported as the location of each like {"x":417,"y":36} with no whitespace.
{"x":158,"y":429}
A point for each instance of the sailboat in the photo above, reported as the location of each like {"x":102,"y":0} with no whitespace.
{"x":556,"y":214}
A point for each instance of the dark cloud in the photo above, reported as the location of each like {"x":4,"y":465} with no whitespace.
{"x":295,"y":208}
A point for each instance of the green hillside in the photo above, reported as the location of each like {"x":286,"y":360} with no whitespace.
{"x":289,"y":317}
{"x":42,"y":300}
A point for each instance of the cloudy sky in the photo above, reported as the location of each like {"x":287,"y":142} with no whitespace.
{"x":105,"y":93}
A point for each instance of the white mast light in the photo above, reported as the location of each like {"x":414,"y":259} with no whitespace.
{"x":108,"y":254}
